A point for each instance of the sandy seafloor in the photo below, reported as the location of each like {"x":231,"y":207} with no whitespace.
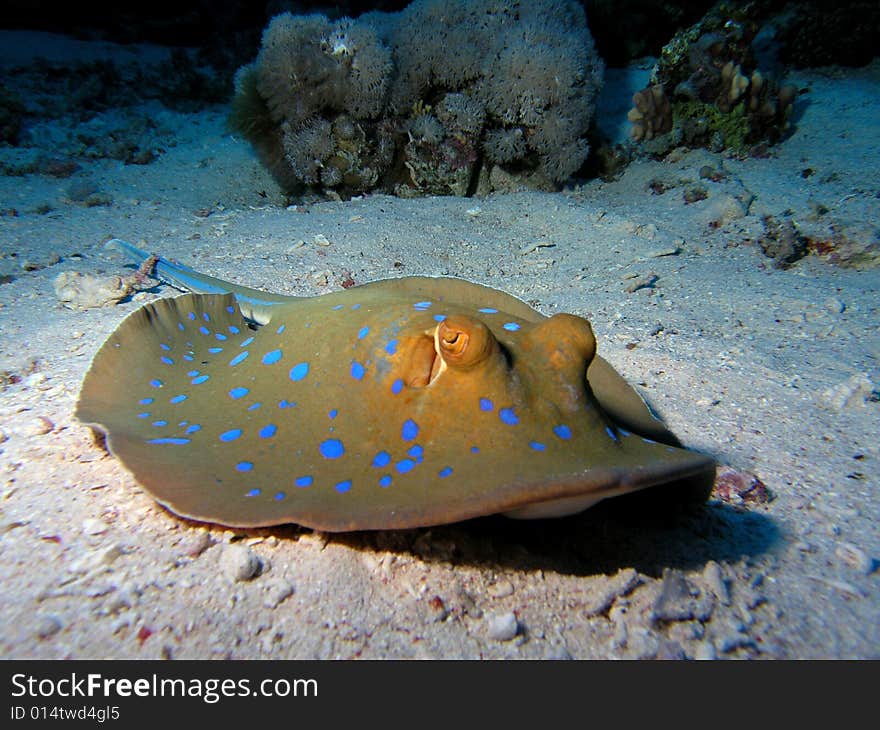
{"x":773,"y":372}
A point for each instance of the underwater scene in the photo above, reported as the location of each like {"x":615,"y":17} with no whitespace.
{"x":440,"y":330}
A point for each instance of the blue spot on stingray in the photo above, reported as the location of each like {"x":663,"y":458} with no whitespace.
{"x":254,"y":406}
{"x":245,"y":343}
{"x":337,"y":306}
{"x":563,"y":431}
{"x":220,"y":336}
{"x":204,"y":330}
{"x":192,"y":373}
{"x":286,"y":404}
{"x":299,"y":371}
{"x":206,"y":316}
{"x":404,"y":465}
{"x":332,"y":449}
{"x":281,"y":329}
{"x":230,"y":435}
{"x":623,"y":432}
{"x":230,"y":309}
{"x":164,"y":346}
{"x":244,"y":466}
{"x":268,"y":431}
{"x":385,"y":481}
{"x":508,"y":416}
{"x":240,"y":357}
{"x":145,"y":401}
{"x":356,"y":306}
{"x":280,"y":496}
{"x":233,"y":329}
{"x":391,"y":347}
{"x":215,"y":350}
{"x":270,"y":358}
{"x":363,"y":332}
{"x":488,"y":310}
{"x":176,"y":441}
{"x":167,"y":360}
{"x":444,"y":472}
{"x":475,"y":449}
{"x":343,"y":486}
{"x":199,"y":380}
{"x":357,"y":370}
{"x":510,"y":326}
{"x":610,"y":433}
{"x":237,"y":393}
{"x":195,"y":427}
{"x":253,"y":493}
{"x":188,"y":357}
{"x":156,"y":383}
{"x":383,"y":458}
{"x":486,"y":404}
{"x":332,"y":414}
{"x":160,"y":423}
{"x":180,"y":326}
{"x":439,"y":317}
{"x":421,"y":306}
{"x":416,"y":452}
{"x":409,"y":430}
{"x":537,"y":445}
{"x":305,"y":481}
{"x":397,"y":386}
{"x":191,"y":315}
{"x":178,"y":398}
{"x":144,"y":415}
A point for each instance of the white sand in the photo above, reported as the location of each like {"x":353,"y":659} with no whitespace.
{"x":742,"y":363}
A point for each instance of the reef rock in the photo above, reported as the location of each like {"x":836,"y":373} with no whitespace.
{"x":707,"y":91}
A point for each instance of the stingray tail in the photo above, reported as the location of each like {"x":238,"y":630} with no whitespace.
{"x":254,"y":304}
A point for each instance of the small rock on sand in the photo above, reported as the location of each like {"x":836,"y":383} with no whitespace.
{"x":37,"y":426}
{"x":194,"y":545}
{"x":91,"y":526}
{"x":501,"y":589}
{"x":854,"y":557}
{"x":853,"y":392}
{"x":82,"y":291}
{"x":48,"y":626}
{"x":239,"y":562}
{"x":602,"y":595}
{"x":679,"y":601}
{"x":277,"y":592}
{"x":715,"y":582}
{"x":502,"y":627}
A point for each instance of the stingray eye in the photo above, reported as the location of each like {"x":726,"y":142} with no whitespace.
{"x":454,"y":342}
{"x":464,"y":342}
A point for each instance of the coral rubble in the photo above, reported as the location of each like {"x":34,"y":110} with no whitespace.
{"x":429,"y":100}
{"x":707,"y":91}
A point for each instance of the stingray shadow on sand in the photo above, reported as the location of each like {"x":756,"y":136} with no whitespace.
{"x":621,"y":533}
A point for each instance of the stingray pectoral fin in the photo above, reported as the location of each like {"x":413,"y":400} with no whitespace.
{"x":623,"y":403}
{"x":255,"y":304}
{"x":691,"y":485}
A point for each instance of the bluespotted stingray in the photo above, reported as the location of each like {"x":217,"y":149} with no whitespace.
{"x":400,"y":403}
